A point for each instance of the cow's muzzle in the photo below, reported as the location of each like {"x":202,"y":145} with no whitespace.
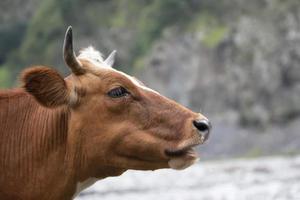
{"x":204,"y":127}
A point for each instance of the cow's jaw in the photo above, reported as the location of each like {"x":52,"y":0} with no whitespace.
{"x":185,"y":161}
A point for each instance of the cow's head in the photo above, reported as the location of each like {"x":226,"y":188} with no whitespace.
{"x":115,"y":120}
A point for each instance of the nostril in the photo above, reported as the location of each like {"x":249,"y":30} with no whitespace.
{"x":202,"y":125}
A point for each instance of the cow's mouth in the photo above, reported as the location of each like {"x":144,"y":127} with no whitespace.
{"x":183,"y":152}
{"x":182,"y":158}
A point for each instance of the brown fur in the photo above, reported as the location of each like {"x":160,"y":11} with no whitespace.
{"x":32,"y":147}
{"x":46,"y":85}
{"x":48,"y":145}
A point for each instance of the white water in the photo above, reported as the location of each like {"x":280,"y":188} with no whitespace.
{"x":267,"y":178}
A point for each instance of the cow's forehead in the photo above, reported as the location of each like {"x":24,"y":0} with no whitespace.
{"x":96,"y":58}
{"x":137,"y":83}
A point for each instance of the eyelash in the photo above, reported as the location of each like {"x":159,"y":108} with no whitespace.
{"x":118,"y":92}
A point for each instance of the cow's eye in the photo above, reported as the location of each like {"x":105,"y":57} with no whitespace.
{"x":118,"y":92}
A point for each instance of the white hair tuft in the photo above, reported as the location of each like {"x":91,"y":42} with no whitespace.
{"x":90,"y":53}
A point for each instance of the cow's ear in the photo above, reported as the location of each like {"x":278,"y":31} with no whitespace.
{"x":46,"y":85}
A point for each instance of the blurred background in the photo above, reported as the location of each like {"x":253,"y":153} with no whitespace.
{"x":236,"y":61}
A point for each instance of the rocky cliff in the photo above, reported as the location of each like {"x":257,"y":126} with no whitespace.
{"x":250,"y":73}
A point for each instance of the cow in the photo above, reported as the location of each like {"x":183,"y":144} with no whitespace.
{"x":60,"y":135}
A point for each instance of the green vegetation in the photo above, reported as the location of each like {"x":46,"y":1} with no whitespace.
{"x":210,"y":27}
{"x":4,"y":77}
{"x":39,"y":40}
{"x":158,"y":15}
{"x":11,"y":36}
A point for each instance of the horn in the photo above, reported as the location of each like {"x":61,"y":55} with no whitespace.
{"x":69,"y":54}
{"x":111,"y":58}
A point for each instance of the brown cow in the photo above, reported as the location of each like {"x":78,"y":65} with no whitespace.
{"x":58,"y":136}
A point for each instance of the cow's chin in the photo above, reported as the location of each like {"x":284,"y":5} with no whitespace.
{"x":184,"y":161}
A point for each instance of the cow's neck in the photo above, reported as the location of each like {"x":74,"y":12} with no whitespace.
{"x":85,"y":170}
{"x":33,"y":146}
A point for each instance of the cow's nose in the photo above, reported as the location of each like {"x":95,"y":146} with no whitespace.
{"x":203,"y":126}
